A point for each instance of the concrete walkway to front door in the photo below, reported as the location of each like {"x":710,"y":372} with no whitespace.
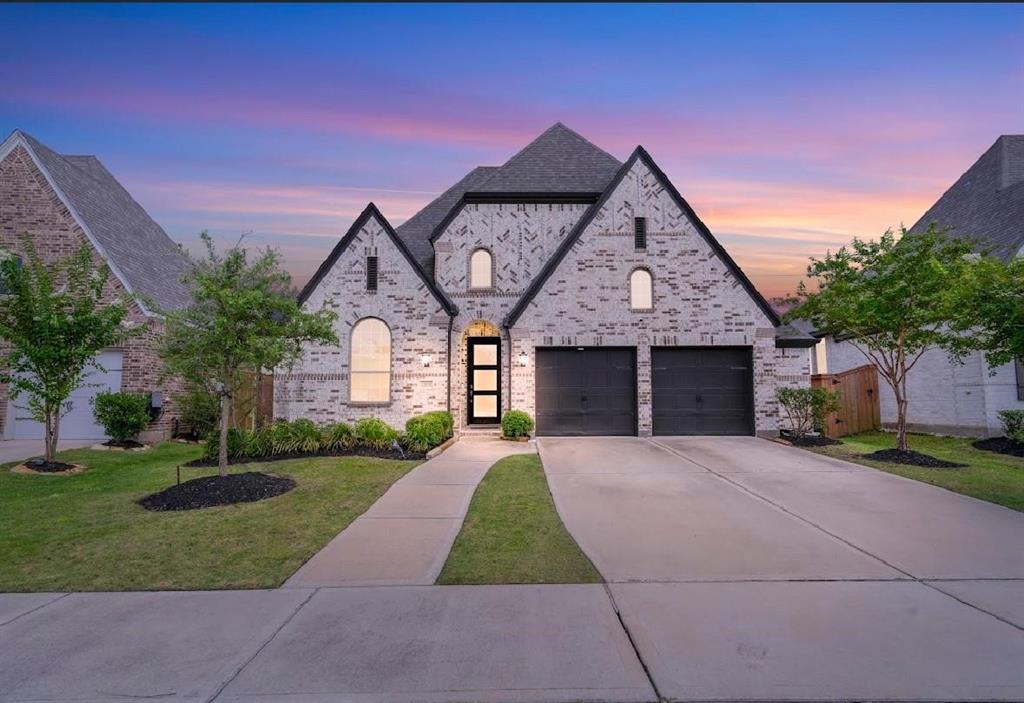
{"x":405,"y":537}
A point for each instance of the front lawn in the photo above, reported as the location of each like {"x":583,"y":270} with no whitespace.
{"x":86,"y":532}
{"x":997,"y":478}
{"x":513,"y":534}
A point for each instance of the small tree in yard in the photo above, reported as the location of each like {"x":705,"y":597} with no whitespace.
{"x":894,"y":298}
{"x":991,"y":314}
{"x":54,"y":320}
{"x":243,"y":319}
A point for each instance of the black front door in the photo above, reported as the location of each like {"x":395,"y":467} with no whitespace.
{"x":484,"y":382}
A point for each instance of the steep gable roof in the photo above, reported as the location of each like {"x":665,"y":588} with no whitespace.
{"x":558,"y":161}
{"x":369,"y":212}
{"x":570,"y":240}
{"x":149,"y":264}
{"x":415,"y":231}
{"x":987,"y":202}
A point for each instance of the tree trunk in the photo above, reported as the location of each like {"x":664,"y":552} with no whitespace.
{"x":52,"y":425}
{"x":901,"y":421}
{"x":225,"y":421}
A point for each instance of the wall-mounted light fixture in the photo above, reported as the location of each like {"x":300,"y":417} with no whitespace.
{"x":524,"y":359}
{"x":425,"y":359}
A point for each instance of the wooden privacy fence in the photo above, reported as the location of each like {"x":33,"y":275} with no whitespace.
{"x":859,"y":409}
{"x":254,"y":402}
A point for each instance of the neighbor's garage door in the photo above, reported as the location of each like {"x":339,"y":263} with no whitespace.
{"x":78,"y":423}
{"x":702,"y":390}
{"x":586,"y":391}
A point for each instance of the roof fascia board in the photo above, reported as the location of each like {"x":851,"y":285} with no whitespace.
{"x":530,"y":198}
{"x":16,"y":139}
{"x":369,"y":212}
{"x":796,"y":343}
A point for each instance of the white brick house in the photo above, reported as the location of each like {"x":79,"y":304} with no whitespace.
{"x":565,"y":283}
{"x":986,"y":205}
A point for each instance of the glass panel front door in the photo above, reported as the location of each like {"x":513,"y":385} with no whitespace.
{"x":484,"y":382}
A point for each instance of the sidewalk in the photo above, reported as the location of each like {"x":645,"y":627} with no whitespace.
{"x":405,"y":537}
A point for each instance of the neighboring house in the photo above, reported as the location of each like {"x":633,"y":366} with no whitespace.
{"x":986,"y":204}
{"x":565,"y":283}
{"x":62,"y":201}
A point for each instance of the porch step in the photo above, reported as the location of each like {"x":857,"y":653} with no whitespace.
{"x":474,"y":431}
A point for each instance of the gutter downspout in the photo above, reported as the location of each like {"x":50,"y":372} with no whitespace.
{"x":508,"y":333}
{"x":448,"y":360}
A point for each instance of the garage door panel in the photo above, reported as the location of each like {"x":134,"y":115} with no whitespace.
{"x":589,"y":391}
{"x":702,"y":390}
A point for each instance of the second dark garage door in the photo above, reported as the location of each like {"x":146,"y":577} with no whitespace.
{"x":586,"y":391}
{"x":702,"y":390}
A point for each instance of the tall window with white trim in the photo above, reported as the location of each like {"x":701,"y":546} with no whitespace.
{"x":481,"y":269}
{"x":370,"y":368}
{"x":641,"y":294}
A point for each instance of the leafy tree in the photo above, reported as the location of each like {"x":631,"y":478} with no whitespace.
{"x":894,"y":298}
{"x":55,"y":322}
{"x":991,"y":313}
{"x":243,"y":318}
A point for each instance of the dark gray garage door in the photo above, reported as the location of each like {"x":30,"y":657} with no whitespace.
{"x":586,"y":391}
{"x":702,"y":390}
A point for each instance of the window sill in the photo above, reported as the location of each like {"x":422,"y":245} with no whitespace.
{"x":641,"y":309}
{"x":369,"y":403}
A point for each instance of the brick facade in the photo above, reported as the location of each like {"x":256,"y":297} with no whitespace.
{"x":29,"y":205}
{"x":697,"y":302}
{"x":317,"y":386}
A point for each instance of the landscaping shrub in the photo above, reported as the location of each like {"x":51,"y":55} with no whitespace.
{"x":199,"y":410}
{"x":1013,"y":424}
{"x":256,"y":442}
{"x":236,"y":444}
{"x":516,"y":423}
{"x":806,"y":408}
{"x":337,"y":437}
{"x":123,"y":415}
{"x":374,"y":433}
{"x":426,"y":431}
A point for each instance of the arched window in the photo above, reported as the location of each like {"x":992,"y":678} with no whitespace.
{"x":481,"y":269}
{"x":370,"y":370}
{"x":641,"y":295}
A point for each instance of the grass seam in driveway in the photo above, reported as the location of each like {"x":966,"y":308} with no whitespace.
{"x":513,"y":534}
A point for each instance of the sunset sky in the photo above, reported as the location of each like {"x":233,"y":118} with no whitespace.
{"x":789,"y":129}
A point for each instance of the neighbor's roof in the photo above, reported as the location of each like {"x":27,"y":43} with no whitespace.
{"x":137,"y":248}
{"x":987,"y":202}
{"x":559,"y":161}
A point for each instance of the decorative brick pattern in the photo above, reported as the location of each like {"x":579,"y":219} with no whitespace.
{"x":697,"y":301}
{"x":317,"y":386}
{"x":28,"y":205}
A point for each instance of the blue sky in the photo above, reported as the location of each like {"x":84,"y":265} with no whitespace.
{"x":788,"y":128}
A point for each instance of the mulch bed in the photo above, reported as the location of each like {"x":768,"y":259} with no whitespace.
{"x":127,"y":444}
{"x":812,"y":441}
{"x":911,"y":458}
{"x":387,"y":454}
{"x":1001,"y":445}
{"x":41,"y":466}
{"x":210,"y":491}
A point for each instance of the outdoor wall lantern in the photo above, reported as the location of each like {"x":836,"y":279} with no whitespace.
{"x":524,"y":359}
{"x":425,"y":359}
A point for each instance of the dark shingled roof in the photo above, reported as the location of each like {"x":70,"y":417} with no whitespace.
{"x":136,"y":246}
{"x":415,"y":232}
{"x":987,"y":202}
{"x":558,"y":161}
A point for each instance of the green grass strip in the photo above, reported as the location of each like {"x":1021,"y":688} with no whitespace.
{"x":512,"y":533}
{"x":997,"y":478}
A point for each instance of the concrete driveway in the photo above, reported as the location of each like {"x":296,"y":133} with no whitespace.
{"x":21,"y":449}
{"x":745,"y":569}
